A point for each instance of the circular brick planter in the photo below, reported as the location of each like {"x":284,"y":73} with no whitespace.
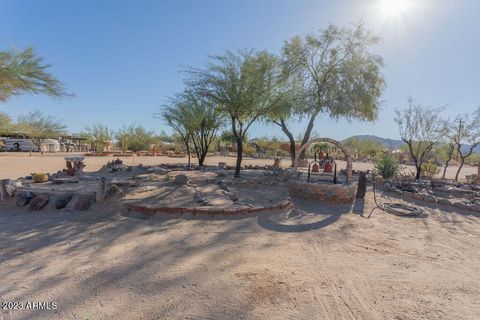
{"x":148,"y":212}
{"x":329,"y":192}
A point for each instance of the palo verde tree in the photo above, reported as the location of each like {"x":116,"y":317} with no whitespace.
{"x":38,"y":127}
{"x":176,"y":114}
{"x":134,"y":137}
{"x":468,"y":137}
{"x":206,"y":121}
{"x":99,"y":136}
{"x":6,"y":125}
{"x":420,"y":128}
{"x":244,"y":86}
{"x":338,"y":76}
{"x":24,"y":72}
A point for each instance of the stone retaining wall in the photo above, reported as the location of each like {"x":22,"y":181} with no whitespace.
{"x":332,"y":193}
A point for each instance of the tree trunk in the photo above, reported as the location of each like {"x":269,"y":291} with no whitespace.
{"x":239,"y":157}
{"x":308,"y":132}
{"x":460,"y":166}
{"x":445,"y":169}
{"x":188,"y":154}
{"x":418,"y":167}
{"x":201,"y":158}
{"x":292,"y":142}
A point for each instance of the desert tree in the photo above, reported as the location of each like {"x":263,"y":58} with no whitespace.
{"x":99,"y":136}
{"x":6,"y":125}
{"x":339,"y":76}
{"x":176,"y":114}
{"x":134,"y":137}
{"x":206,"y":121}
{"x":468,"y":137}
{"x":420,"y":128}
{"x":25,"y":72}
{"x":243,"y":85}
{"x":38,"y":127}
{"x":445,"y":152}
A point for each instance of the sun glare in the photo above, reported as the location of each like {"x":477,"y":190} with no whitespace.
{"x":393,"y":8}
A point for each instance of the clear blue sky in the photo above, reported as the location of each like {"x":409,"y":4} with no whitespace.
{"x":122,"y":58}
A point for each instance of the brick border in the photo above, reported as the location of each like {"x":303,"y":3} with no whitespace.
{"x":151,"y":211}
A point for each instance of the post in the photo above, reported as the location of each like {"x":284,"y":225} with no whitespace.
{"x":101,"y":190}
{"x":362,"y":185}
{"x":3,"y":192}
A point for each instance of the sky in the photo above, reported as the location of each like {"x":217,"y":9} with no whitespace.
{"x":122,"y":59}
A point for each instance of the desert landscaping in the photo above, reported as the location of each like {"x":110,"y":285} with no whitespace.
{"x":297,"y":261}
{"x":223,"y":160}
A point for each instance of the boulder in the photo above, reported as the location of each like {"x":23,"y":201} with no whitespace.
{"x":84,"y":202}
{"x":63,"y":200}
{"x":181,"y":179}
{"x":38,"y":202}
{"x":444,"y":201}
{"x":23,"y":198}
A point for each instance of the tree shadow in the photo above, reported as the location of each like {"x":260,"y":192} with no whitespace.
{"x":303,"y":216}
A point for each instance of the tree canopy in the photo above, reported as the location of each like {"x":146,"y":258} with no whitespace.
{"x":334,"y":73}
{"x":243,"y":85}
{"x":25,"y":72}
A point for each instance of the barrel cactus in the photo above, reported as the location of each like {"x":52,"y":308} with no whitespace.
{"x":40,"y":177}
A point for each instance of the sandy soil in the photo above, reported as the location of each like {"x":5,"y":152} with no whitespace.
{"x":14,"y":165}
{"x":310,"y":262}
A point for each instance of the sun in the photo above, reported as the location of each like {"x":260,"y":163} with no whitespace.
{"x":393,"y":8}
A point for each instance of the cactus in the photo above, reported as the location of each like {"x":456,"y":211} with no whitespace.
{"x":39,"y":177}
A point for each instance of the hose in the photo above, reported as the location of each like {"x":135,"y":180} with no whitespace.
{"x":396,"y":208}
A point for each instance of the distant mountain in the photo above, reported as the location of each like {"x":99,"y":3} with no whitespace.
{"x":387,"y":143}
{"x":395,"y":144}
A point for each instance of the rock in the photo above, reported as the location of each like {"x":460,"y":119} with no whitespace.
{"x":399,"y":192}
{"x":181,"y":179}
{"x":444,"y":201}
{"x":9,"y":190}
{"x":112,"y":191}
{"x":84,"y":202}
{"x":23,"y":198}
{"x":234,"y":198}
{"x":430,"y":198}
{"x":38,"y":202}
{"x":461,"y":205}
{"x":63,"y":200}
{"x":222,"y":165}
{"x":221,"y":173}
{"x":418,"y":196}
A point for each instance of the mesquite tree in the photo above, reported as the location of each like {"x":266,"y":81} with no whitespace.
{"x":420,"y":128}
{"x":24,"y":72}
{"x":244,"y":86}
{"x":338,"y":76}
{"x":468,"y":138}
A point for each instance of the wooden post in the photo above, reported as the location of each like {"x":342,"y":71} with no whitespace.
{"x":362,"y":186}
{"x":101,"y":190}
{"x":3,"y":192}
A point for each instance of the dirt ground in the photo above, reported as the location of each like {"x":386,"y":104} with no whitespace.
{"x":310,"y":262}
{"x":14,"y":164}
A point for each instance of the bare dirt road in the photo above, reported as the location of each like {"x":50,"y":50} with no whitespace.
{"x":310,"y":262}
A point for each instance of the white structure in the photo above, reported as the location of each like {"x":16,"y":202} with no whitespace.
{"x":27,"y":145}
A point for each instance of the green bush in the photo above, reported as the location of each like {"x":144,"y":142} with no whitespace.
{"x":429,"y":169}
{"x":386,"y":166}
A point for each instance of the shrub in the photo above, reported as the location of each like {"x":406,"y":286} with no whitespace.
{"x":39,"y":177}
{"x":386,"y":166}
{"x":429,"y":169}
